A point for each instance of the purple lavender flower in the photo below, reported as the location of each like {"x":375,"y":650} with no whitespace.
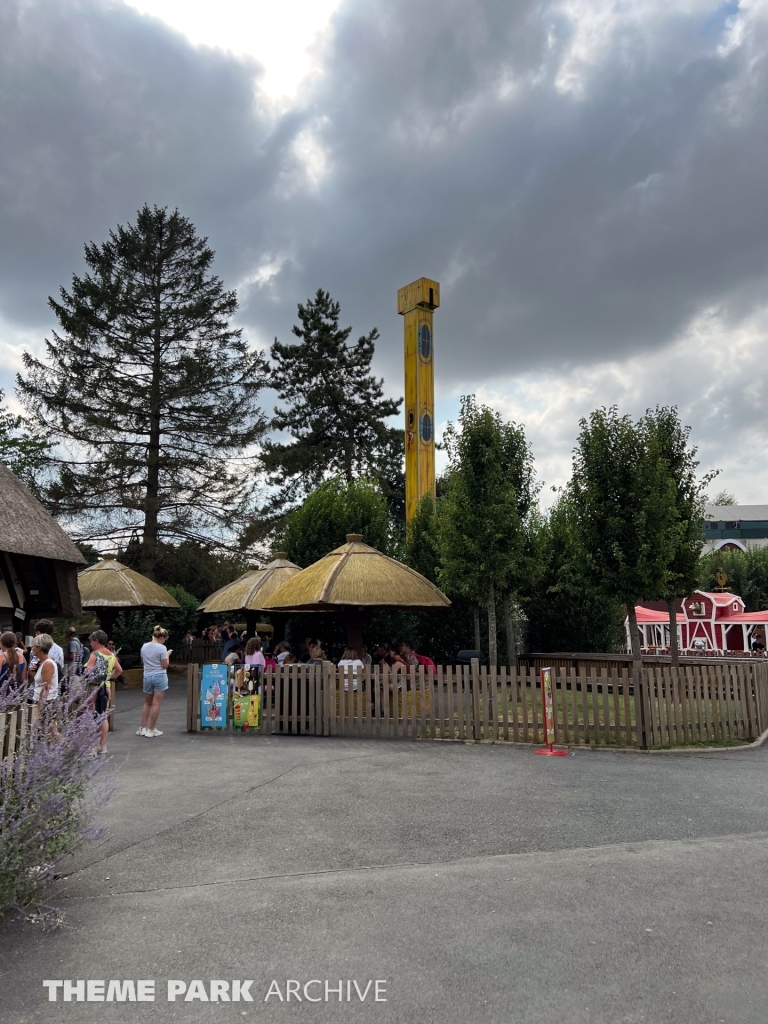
{"x":50,"y":787}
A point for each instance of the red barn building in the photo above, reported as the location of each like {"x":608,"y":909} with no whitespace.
{"x":711,"y":623}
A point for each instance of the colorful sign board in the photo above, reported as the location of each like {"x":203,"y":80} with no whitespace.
{"x":214,"y":691}
{"x":246,"y":711}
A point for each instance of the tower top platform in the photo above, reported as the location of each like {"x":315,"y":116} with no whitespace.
{"x":424,"y":292}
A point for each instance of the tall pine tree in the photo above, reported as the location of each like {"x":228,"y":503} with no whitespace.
{"x":335,"y":408}
{"x":149,"y":391}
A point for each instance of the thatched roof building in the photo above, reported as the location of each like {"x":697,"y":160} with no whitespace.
{"x":358,"y":576}
{"x":110,"y":584}
{"x":353,"y":578}
{"x":253,"y":589}
{"x":38,"y":561}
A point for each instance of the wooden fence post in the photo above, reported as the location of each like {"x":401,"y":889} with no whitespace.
{"x":476,"y":698}
{"x":761,"y":696}
{"x":190,"y":679}
{"x":639,"y":691}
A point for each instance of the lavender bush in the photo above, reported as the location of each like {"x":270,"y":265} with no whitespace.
{"x":48,"y":795}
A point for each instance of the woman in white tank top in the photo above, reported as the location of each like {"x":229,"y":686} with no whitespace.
{"x":45,"y":685}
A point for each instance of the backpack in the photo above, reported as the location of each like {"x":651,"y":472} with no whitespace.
{"x":426,"y":662}
{"x":101,"y":671}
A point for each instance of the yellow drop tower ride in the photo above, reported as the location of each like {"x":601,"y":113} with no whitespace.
{"x":416,"y":303}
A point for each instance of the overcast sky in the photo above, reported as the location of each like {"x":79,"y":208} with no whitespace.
{"x":586,"y":179}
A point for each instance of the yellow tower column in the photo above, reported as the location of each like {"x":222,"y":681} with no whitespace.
{"x":416,"y":302}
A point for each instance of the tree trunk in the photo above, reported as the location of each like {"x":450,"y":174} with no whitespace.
{"x":509,"y":626}
{"x":152,"y":497}
{"x":476,"y":623}
{"x":634,"y":633}
{"x":493,"y":657}
{"x":673,"y":644}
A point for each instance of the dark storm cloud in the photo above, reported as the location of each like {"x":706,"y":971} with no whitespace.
{"x":581,"y":193}
{"x":568,"y":224}
{"x":102,"y":109}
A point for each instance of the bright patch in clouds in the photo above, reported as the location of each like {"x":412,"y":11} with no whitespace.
{"x":713,"y":374}
{"x":277,"y":34}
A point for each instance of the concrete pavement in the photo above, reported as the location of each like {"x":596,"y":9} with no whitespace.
{"x":482,"y":882}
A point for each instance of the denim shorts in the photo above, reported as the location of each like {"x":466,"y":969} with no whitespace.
{"x":155,"y":682}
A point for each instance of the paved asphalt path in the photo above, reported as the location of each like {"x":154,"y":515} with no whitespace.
{"x":481,"y":883}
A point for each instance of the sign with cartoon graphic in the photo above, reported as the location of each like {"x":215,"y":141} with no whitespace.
{"x":214,"y":689}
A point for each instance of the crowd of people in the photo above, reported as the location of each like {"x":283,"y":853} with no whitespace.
{"x":45,"y":672}
{"x":239,"y":649}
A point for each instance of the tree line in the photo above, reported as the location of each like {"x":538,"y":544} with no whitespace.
{"x":143,"y":429}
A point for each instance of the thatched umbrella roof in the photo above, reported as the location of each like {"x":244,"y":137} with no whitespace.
{"x":27,"y":528}
{"x":110,"y":584}
{"x":356,"y":576}
{"x":252,"y":589}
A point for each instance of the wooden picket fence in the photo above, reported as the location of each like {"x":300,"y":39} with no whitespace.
{"x":707,"y":703}
{"x":14,"y":725}
{"x":16,"y":722}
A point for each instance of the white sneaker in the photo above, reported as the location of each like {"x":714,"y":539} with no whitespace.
{"x":141,"y":732}
{"x":154,"y":732}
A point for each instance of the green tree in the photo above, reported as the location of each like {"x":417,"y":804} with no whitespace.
{"x":422,"y":544}
{"x":133,"y":629}
{"x":566,"y":611}
{"x":491,"y":490}
{"x":723,"y":498}
{"x":335,"y":408}
{"x":687,"y":528}
{"x":624,"y":504}
{"x":329,"y":513}
{"x":150,"y":391}
{"x":25,"y":453}
{"x":198,"y":568}
{"x":747,"y":573}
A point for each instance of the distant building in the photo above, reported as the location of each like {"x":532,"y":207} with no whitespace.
{"x":38,"y":561}
{"x":706,"y":623}
{"x":735,"y":527}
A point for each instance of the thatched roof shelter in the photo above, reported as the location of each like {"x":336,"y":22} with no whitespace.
{"x":110,"y":587}
{"x":353,"y":578}
{"x":27,"y":528}
{"x":38,"y":561}
{"x":358,"y":576}
{"x":252,"y":589}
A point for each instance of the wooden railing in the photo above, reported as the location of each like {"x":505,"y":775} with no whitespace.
{"x":197,"y":653}
{"x":14,"y":724}
{"x":16,"y":721}
{"x":726,"y":703}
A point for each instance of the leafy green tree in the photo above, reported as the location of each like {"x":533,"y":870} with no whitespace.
{"x":329,"y":513}
{"x":422,"y":545}
{"x":443,"y":632}
{"x":723,"y":498}
{"x":747,"y":573}
{"x":25,"y":453}
{"x":198,"y":568}
{"x":150,"y":391}
{"x":133,"y":629}
{"x":624,"y":504}
{"x":334,"y":410}
{"x":687,"y":529}
{"x":491,"y":490}
{"x":566,"y":611}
